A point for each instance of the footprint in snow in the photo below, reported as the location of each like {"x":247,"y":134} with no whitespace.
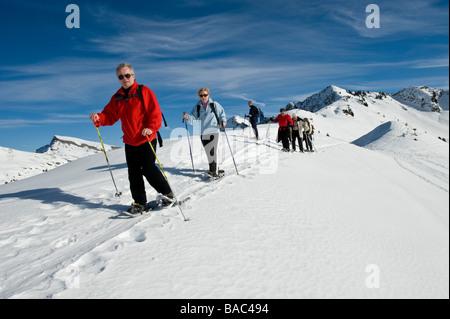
{"x":134,"y":234}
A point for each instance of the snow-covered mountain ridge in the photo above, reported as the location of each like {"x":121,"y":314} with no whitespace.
{"x":237,"y":122}
{"x":424,"y":98}
{"x":66,"y":146}
{"x":17,"y":165}
{"x":420,"y":97}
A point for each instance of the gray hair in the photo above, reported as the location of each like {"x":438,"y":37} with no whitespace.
{"x":124,"y":65}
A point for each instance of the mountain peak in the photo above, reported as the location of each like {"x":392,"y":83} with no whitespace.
{"x":335,"y":89}
{"x":315,"y":102}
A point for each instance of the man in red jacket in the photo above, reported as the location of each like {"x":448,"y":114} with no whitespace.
{"x":285,"y":122}
{"x":140,"y":115}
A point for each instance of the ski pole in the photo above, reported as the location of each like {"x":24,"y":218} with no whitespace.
{"x":107,"y":161}
{"x":189,"y":141}
{"x":231,"y":151}
{"x":165,"y":176}
{"x":268,"y":131}
{"x":315,"y":150}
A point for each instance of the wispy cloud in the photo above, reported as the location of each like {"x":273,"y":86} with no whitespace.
{"x":65,"y":83}
{"x":39,"y":121}
{"x":70,"y":80}
{"x":171,"y":38}
{"x":431,"y":63}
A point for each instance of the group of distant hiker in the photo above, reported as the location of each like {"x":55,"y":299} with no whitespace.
{"x":292,"y":129}
{"x":141,"y":118}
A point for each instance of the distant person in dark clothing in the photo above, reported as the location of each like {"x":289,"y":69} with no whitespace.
{"x":253,"y":115}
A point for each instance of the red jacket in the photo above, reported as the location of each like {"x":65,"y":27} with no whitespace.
{"x":283,"y":120}
{"x":134,"y":115}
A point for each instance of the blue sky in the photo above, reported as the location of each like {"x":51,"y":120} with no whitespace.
{"x":271,"y":51}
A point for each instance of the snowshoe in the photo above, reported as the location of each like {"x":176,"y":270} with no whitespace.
{"x":166,"y":200}
{"x":137,"y":209}
{"x":213,"y":175}
{"x":162,"y":201}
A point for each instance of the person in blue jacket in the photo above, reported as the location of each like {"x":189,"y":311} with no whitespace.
{"x":212,"y":117}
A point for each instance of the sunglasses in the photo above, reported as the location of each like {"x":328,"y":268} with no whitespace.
{"x":203,"y":95}
{"x":121,"y":77}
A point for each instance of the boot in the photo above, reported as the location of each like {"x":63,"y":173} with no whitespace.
{"x":136,"y":208}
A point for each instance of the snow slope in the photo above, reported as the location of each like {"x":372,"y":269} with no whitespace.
{"x":289,"y":226}
{"x":366,"y":216}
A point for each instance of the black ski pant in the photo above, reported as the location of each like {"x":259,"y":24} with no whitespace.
{"x":254,"y":123}
{"x":141,"y":163}
{"x":284,"y":136}
{"x":296,"y":136}
{"x":210,"y":142}
{"x":308,"y":143}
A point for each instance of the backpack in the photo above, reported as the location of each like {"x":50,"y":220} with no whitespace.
{"x":138,"y":94}
{"x":213,"y":108}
